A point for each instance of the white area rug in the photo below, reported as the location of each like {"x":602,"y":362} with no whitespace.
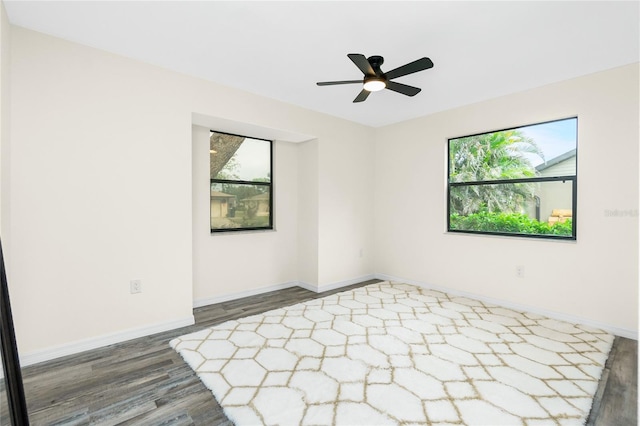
{"x":393,"y":353}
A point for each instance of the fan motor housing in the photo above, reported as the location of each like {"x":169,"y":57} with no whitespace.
{"x":376,"y":62}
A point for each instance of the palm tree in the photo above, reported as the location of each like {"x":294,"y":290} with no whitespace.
{"x":488,"y":157}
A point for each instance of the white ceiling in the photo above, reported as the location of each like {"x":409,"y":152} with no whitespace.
{"x":481,"y":50}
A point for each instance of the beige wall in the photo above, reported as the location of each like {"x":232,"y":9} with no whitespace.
{"x":100,"y":194}
{"x":595,"y":278}
{"x":104,"y":189}
{"x":5,"y":99}
{"x":346,"y":223}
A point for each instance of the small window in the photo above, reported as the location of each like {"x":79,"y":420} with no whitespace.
{"x":517,"y":182}
{"x":241,"y":186}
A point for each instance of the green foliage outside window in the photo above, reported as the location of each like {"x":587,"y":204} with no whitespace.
{"x":488,"y":157}
{"x":508,"y":222}
{"x":496,"y":183}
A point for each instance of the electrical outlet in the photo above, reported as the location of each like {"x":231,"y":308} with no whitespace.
{"x":135,"y":286}
{"x":520,"y":271}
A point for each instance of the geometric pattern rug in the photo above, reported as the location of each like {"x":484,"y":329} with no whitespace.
{"x":392,"y":353}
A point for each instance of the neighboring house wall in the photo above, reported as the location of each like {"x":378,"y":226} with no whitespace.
{"x":218,"y":208}
{"x":565,"y":167}
{"x":556,"y":195}
{"x":220,"y":204}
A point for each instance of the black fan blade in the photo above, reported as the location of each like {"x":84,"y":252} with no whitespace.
{"x":362,"y":63}
{"x":403,"y":88}
{"x":362,"y":96}
{"x":331,"y":83}
{"x":410,"y":68}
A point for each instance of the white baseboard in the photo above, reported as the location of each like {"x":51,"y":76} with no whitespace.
{"x":254,"y":292}
{"x":307,"y":286}
{"x":618,"y":331}
{"x":72,"y":348}
{"x":119,"y":337}
{"x":246,"y":293}
{"x":101,"y":341}
{"x":335,"y":285}
{"x":340,"y":284}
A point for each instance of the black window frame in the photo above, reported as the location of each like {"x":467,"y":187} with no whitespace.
{"x":573,"y":179}
{"x":269,"y":184}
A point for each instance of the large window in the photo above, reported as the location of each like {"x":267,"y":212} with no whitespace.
{"x":241,"y":187}
{"x":520,"y":181}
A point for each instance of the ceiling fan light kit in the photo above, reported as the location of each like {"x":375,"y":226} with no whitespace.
{"x":375,"y":80}
{"x":374,"y":84}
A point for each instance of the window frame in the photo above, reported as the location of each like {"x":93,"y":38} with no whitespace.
{"x":572,"y":178}
{"x":269,"y":184}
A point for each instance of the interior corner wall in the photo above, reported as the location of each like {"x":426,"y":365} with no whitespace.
{"x":102,"y":191}
{"x":594,"y":278}
{"x":308,"y":201}
{"x":346,"y":211}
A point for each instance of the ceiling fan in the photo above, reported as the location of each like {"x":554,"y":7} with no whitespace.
{"x":375,"y":79}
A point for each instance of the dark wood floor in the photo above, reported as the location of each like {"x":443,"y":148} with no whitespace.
{"x":145,"y":382}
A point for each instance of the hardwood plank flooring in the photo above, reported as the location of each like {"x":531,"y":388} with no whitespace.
{"x":616,"y":401}
{"x":145,"y":382}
